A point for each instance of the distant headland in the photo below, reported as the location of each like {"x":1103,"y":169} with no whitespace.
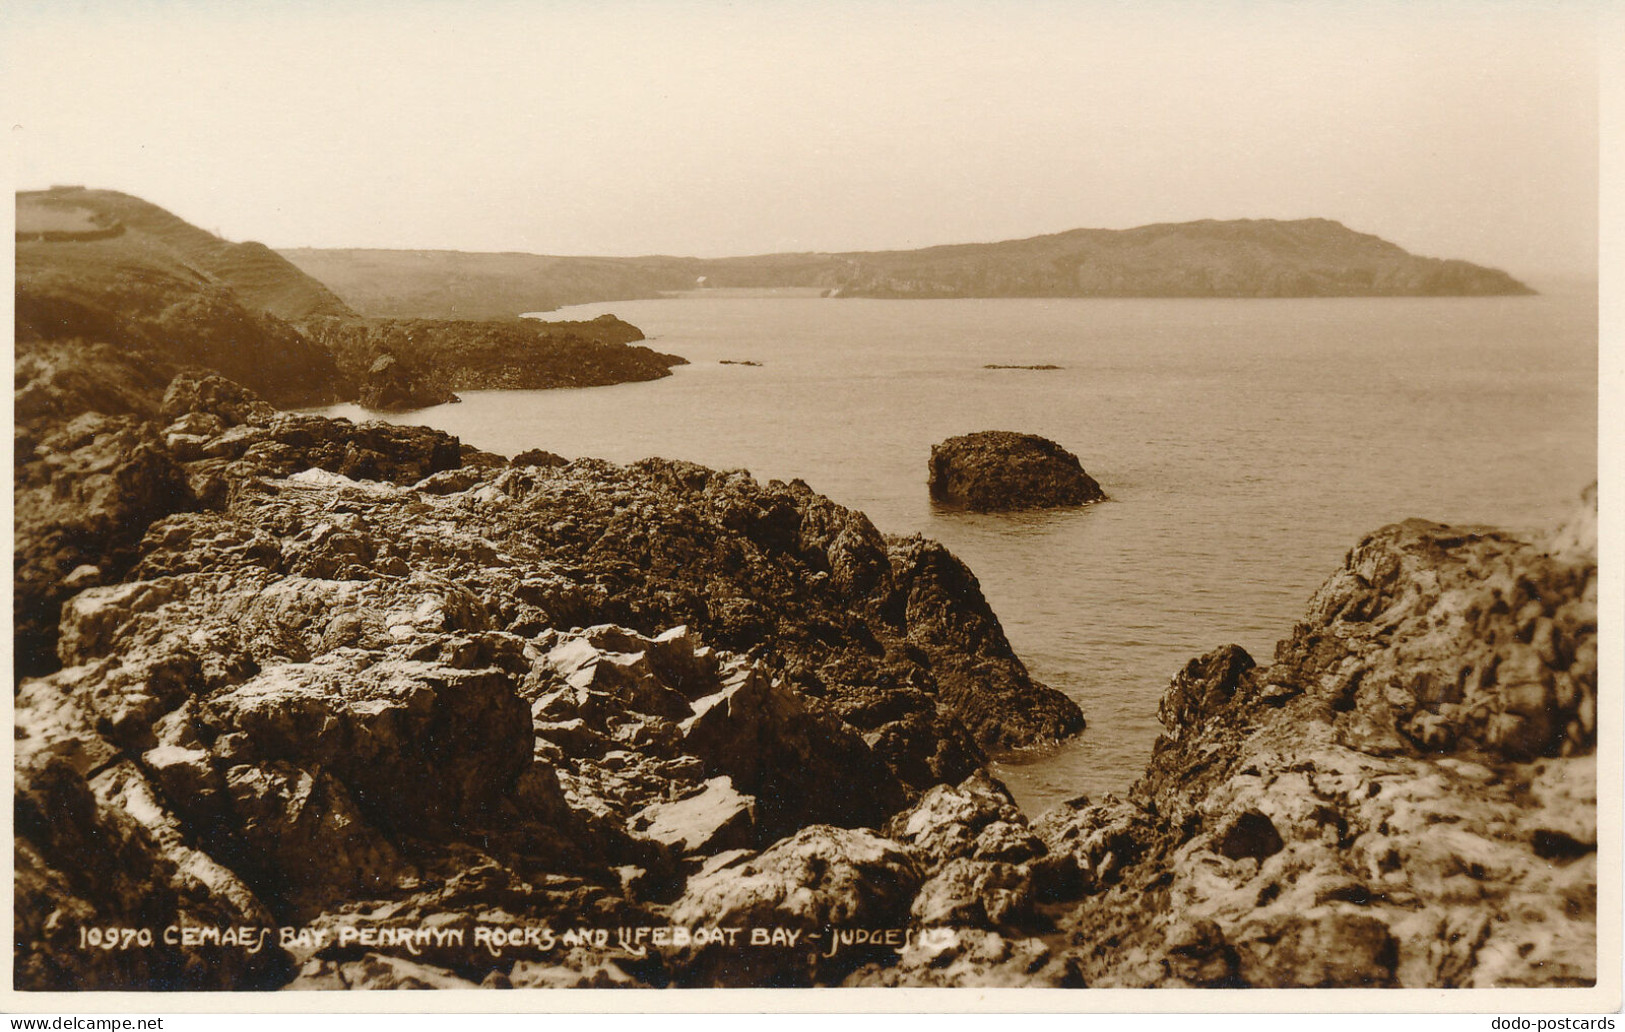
{"x":1264,"y":258}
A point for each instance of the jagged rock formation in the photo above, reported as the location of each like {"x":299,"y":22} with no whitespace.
{"x":1406,"y":797}
{"x":1210,"y":258}
{"x":389,"y":386}
{"x":295,"y":671}
{"x":995,"y":470}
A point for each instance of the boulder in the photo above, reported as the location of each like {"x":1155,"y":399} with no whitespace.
{"x":968,"y":893}
{"x":819,"y":880}
{"x":715,"y":819}
{"x":309,"y":842}
{"x":389,"y":385}
{"x":539,"y":457}
{"x":417,"y":743}
{"x":997,"y":470}
{"x":800,"y":766}
{"x":977,"y":817}
{"x":197,"y":394}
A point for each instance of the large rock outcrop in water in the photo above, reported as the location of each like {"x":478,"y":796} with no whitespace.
{"x":996,"y":470}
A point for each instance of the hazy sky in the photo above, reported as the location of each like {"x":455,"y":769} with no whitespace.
{"x":707,"y":128}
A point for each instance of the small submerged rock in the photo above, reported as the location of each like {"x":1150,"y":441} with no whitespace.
{"x":997,"y":470}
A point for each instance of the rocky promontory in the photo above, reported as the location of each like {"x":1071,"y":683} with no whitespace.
{"x":996,"y":470}
{"x":1239,"y":258}
{"x":424,"y":361}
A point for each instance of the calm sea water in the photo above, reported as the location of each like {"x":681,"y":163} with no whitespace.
{"x":1245,"y":446}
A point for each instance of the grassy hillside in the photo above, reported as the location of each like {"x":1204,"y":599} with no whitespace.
{"x":94,"y":265}
{"x":1245,"y":258}
{"x":259,"y":276}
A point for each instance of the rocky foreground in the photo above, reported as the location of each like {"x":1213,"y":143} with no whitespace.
{"x":317,"y":705}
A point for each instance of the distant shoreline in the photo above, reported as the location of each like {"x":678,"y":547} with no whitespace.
{"x":701,"y":293}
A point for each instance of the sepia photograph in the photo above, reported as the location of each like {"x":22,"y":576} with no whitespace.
{"x":522,"y":499}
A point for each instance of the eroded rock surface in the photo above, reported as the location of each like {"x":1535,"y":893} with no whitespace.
{"x":1405,"y":797}
{"x":303,"y":673}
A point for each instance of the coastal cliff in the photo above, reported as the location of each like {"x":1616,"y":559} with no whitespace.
{"x":102,"y":269}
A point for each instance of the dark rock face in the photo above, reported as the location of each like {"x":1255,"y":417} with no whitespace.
{"x":389,"y":386}
{"x":997,"y":470}
{"x":413,"y":363}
